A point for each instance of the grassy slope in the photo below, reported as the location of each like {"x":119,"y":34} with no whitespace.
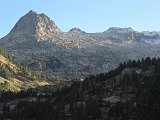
{"x":18,"y":81}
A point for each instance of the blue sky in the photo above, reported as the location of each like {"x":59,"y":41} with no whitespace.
{"x":88,"y":15}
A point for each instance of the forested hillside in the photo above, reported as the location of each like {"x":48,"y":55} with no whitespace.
{"x":130,"y":92}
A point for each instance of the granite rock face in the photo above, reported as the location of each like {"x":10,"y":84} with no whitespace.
{"x":34,"y":24}
{"x":36,"y":41}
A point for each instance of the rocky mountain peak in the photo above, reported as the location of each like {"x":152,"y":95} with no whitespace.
{"x":119,"y":30}
{"x":122,"y":34}
{"x":76,"y":30}
{"x":32,"y":12}
{"x":35,"y":24}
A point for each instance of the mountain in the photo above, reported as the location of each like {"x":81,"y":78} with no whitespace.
{"x":14,"y":77}
{"x":37,"y":42}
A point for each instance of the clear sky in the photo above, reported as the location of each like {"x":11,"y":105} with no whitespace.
{"x":88,"y":15}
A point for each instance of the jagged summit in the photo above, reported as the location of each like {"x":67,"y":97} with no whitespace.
{"x":76,"y":30}
{"x":35,"y":24}
{"x":32,"y":12}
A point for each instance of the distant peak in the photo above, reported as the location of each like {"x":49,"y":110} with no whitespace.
{"x":118,"y":29}
{"x":76,"y":30}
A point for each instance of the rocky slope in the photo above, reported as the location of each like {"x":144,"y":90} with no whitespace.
{"x":36,"y":41}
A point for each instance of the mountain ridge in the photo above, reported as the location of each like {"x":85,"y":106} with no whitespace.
{"x":45,"y":48}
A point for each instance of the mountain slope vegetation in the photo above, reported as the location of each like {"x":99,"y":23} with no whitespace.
{"x":130,"y":92}
{"x":14,"y":77}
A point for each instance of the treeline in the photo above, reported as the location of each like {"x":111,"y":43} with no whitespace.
{"x":143,"y":64}
{"x":135,"y":83}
